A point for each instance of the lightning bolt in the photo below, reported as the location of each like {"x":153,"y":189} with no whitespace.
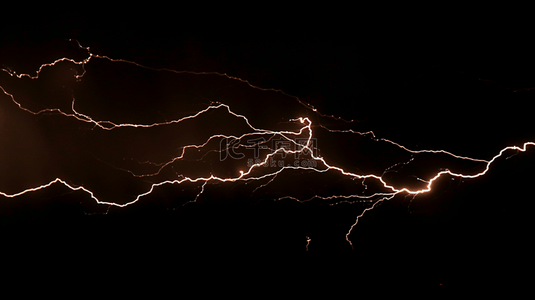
{"x":300,"y":140}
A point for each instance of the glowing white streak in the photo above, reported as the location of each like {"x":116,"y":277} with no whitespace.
{"x":247,"y":174}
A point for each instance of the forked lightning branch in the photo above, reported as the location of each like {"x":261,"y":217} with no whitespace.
{"x":296,"y":152}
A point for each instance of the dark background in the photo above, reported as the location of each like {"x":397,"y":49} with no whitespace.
{"x":453,"y":85}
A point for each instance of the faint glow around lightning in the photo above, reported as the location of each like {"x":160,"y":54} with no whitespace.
{"x":246,"y":175}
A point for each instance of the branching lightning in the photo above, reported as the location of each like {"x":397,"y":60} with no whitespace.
{"x":266,"y":167}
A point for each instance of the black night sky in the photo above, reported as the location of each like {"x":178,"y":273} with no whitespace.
{"x":460,"y":88}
